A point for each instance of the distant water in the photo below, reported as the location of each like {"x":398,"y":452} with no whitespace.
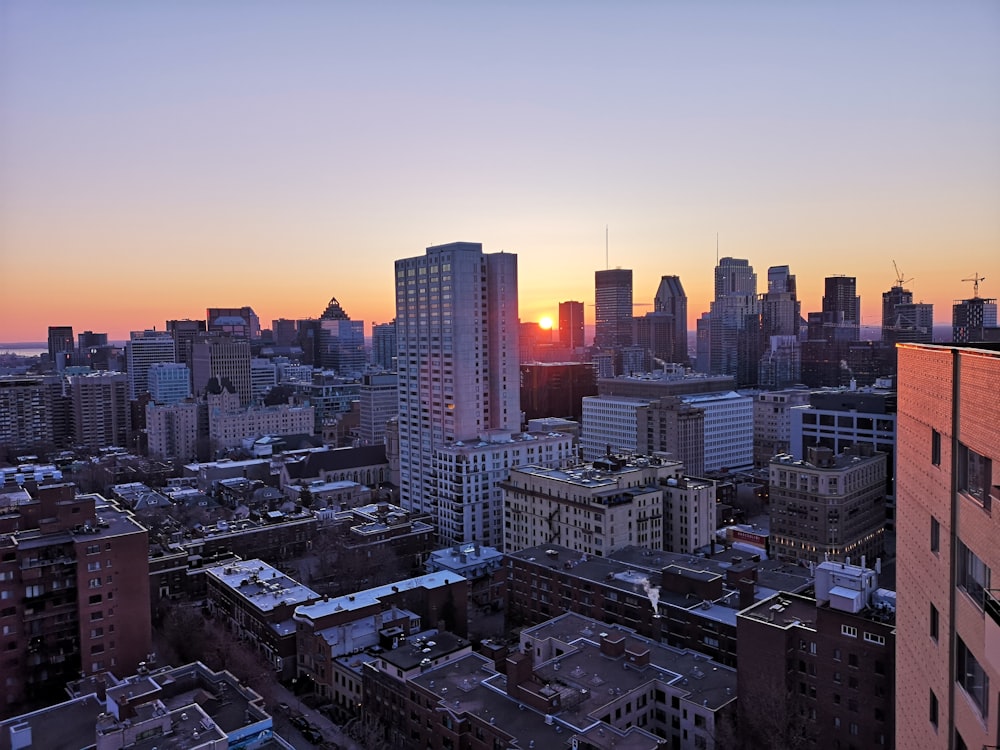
{"x":24,"y":349}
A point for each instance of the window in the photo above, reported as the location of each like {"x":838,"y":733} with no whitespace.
{"x":934,"y":622}
{"x":973,"y":574}
{"x":935,"y":535}
{"x":849,"y":630}
{"x":971,"y":676}
{"x":935,"y":447}
{"x":974,"y":475}
{"x":878,"y":640}
{"x":934,"y":709}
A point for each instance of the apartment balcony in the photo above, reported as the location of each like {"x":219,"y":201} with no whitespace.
{"x":992,"y":606}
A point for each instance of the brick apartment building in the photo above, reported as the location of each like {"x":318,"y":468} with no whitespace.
{"x":697,"y":599}
{"x":948,"y":490}
{"x":820,"y":670}
{"x":74,"y":590}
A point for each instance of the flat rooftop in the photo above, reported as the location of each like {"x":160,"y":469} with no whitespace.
{"x":265,"y":587}
{"x":369,"y":597}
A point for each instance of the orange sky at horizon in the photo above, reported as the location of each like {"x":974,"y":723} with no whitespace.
{"x":161,"y":158}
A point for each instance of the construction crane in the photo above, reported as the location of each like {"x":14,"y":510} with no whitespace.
{"x":975,"y":284}
{"x":899,"y":276}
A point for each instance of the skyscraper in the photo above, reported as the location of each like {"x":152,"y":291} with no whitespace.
{"x":571,"y":325}
{"x":143,"y":349}
{"x":60,"y":345}
{"x":670,"y":298}
{"x":948,"y":618}
{"x":970,"y":319}
{"x":842,"y":307}
{"x":780,"y":312}
{"x":613,"y":308}
{"x":341,"y":341}
{"x":904,"y":320}
{"x":457,"y":333}
{"x":734,"y":322}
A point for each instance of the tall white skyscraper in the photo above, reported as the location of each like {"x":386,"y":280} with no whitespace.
{"x":457,"y":333}
{"x":144,"y":349}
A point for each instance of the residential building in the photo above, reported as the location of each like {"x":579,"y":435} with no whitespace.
{"x":379,"y":402}
{"x":828,"y":506}
{"x":168,"y":382}
{"x":172,"y":430}
{"x":73,"y":580}
{"x":184,"y":333}
{"x":331,"y":633}
{"x":256,"y":602}
{"x":482,"y":566}
{"x":948,"y":623}
{"x":677,"y":599}
{"x":545,"y":694}
{"x":30,"y":406}
{"x":613,"y":308}
{"x":99,"y":408}
{"x":457,"y":334}
{"x":188,"y":707}
{"x":820,"y":669}
{"x":571,"y":325}
{"x":594,"y":508}
{"x":556,"y":389}
{"x":470,"y":480}
{"x":144,"y":349}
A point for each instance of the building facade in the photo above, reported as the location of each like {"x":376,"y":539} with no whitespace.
{"x":379,"y":402}
{"x":948,"y":624}
{"x":142,"y":351}
{"x":457,"y":334}
{"x":613,"y":308}
{"x":828,"y":506}
{"x":73,"y":585}
{"x":571,"y":325}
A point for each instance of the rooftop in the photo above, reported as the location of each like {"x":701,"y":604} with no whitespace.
{"x":369,"y":597}
{"x":263,"y":586}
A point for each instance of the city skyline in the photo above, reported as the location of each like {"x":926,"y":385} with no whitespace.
{"x":164,"y":158}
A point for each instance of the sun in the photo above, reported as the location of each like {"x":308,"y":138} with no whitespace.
{"x":545,"y":323}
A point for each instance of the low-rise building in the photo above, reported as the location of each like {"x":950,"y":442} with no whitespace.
{"x":257,"y":602}
{"x":574,"y":681}
{"x":685,"y":601}
{"x":182,"y":708}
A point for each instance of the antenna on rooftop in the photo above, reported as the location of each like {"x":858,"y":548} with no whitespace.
{"x":975,"y":284}
{"x":716,"y":248}
{"x":607,"y":265}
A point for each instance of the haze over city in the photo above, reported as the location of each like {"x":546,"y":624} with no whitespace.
{"x":163,"y":157}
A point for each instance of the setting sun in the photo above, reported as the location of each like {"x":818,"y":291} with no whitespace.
{"x":545,"y":323}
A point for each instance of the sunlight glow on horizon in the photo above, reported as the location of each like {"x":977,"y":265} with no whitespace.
{"x":162,"y":158}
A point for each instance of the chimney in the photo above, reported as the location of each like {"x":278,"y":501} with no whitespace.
{"x":518,"y":672}
{"x":613,"y":644}
{"x":746,"y":588}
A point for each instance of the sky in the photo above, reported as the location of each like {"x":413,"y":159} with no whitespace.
{"x":159,"y":158}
